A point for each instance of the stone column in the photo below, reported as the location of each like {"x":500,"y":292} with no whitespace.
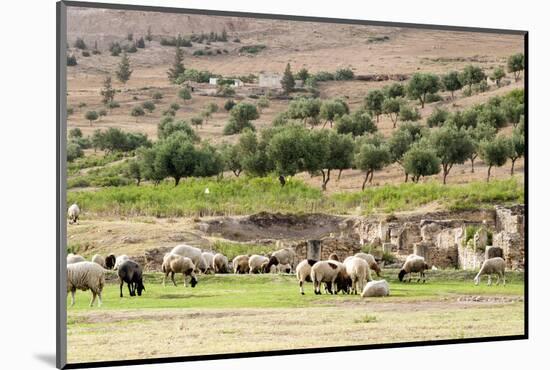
{"x":313,"y":250}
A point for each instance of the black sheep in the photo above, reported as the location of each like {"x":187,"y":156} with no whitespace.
{"x":130,"y":273}
{"x":110,"y":261}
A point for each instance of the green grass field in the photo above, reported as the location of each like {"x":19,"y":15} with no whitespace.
{"x":281,"y":291}
{"x":252,"y":195}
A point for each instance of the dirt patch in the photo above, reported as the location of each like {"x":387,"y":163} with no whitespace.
{"x":273,"y":226}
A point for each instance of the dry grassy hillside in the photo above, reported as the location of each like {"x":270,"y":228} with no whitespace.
{"x":315,"y":46}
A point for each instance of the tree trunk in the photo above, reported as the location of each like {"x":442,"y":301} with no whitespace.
{"x":512,"y":169}
{"x":406,"y":177}
{"x":237,"y":173}
{"x":365,"y":181}
{"x":371,"y":175}
{"x":445,"y":173}
{"x":339,"y":174}
{"x":177,"y":179}
{"x":452,"y":95}
{"x":488,"y":173}
{"x":138,"y":182}
{"x":326,"y":180}
{"x":472,"y":160}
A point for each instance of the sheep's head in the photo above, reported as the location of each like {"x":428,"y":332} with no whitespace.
{"x":193,"y":281}
{"x":140,"y":287}
{"x":272,"y":261}
{"x":110,"y":261}
{"x":402,"y":274}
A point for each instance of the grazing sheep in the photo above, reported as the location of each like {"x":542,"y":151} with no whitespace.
{"x":221,"y":264}
{"x":173,"y":264}
{"x":85,"y":275}
{"x":371,"y":261}
{"x":97,"y":258}
{"x":110,"y":261}
{"x":333,"y":274}
{"x":73,"y":212}
{"x":202,"y":265}
{"x":281,"y":256}
{"x":240,"y":265}
{"x":412,"y":264}
{"x":130,"y":272}
{"x":284,"y":268}
{"x":257,"y":263}
{"x":303,"y":273}
{"x":188,"y":251}
{"x":333,"y":257}
{"x":492,"y":266}
{"x":120,"y":260}
{"x":209,"y":258}
{"x":74,"y":258}
{"x":359,"y":272}
{"x":376,"y":288}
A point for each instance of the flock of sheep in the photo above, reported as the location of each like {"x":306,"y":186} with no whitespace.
{"x":352,"y":276}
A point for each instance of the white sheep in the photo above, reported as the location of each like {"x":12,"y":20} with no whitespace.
{"x":240,"y":265}
{"x":173,"y":264}
{"x":376,"y":288}
{"x":190,"y":252}
{"x":333,"y":274}
{"x":73,"y":212}
{"x":371,"y":261}
{"x":85,"y":275}
{"x":257,"y":263}
{"x":413,"y":264}
{"x":74,"y":258}
{"x":284,"y":268}
{"x":303,"y":273}
{"x":209,"y":259}
{"x":282,"y":256}
{"x":359,"y":272}
{"x":120,"y":260}
{"x":492,"y":266}
{"x":202,"y":265}
{"x":221,"y":264}
{"x":97,"y":258}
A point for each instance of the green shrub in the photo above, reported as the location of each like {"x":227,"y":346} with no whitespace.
{"x":80,"y":44}
{"x":252,"y":49}
{"x":343,"y":74}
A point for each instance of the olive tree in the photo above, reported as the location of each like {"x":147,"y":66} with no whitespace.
{"x":288,"y":149}
{"x":478,"y":134}
{"x":517,"y":148}
{"x":339,"y":156}
{"x":452,"y":146}
{"x":305,"y":109}
{"x":374,"y":102}
{"x":137,"y":112}
{"x":497,"y":75}
{"x":332,"y":109}
{"x":421,"y":160}
{"x":91,"y":116}
{"x":471,"y":75}
{"x":422,"y":84}
{"x":370,"y":158}
{"x":357,"y":123}
{"x":495,"y":153}
{"x":391,"y":107}
{"x":124,"y":71}
{"x":241,"y":115}
{"x":451,"y":82}
{"x":516,"y":64}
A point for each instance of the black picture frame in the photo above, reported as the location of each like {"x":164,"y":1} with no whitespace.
{"x":61,"y":192}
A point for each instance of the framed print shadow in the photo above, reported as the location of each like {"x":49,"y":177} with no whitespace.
{"x":235,"y":184}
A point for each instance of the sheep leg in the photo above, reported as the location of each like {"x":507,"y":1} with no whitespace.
{"x":121,"y":284}
{"x":489,"y":280}
{"x":72,"y":297}
{"x":302,"y":287}
{"x":93,"y":299}
{"x":99,"y":299}
{"x":130,"y":289}
{"x":174,"y":280}
{"x":317,"y":287}
{"x":503,"y":279}
{"x":353,"y":287}
{"x":498,"y":279}
{"x":333,"y":288}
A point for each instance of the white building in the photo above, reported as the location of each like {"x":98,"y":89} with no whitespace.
{"x":270,"y":79}
{"x":213,"y":81}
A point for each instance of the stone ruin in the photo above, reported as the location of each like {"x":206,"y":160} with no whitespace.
{"x":441,"y":241}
